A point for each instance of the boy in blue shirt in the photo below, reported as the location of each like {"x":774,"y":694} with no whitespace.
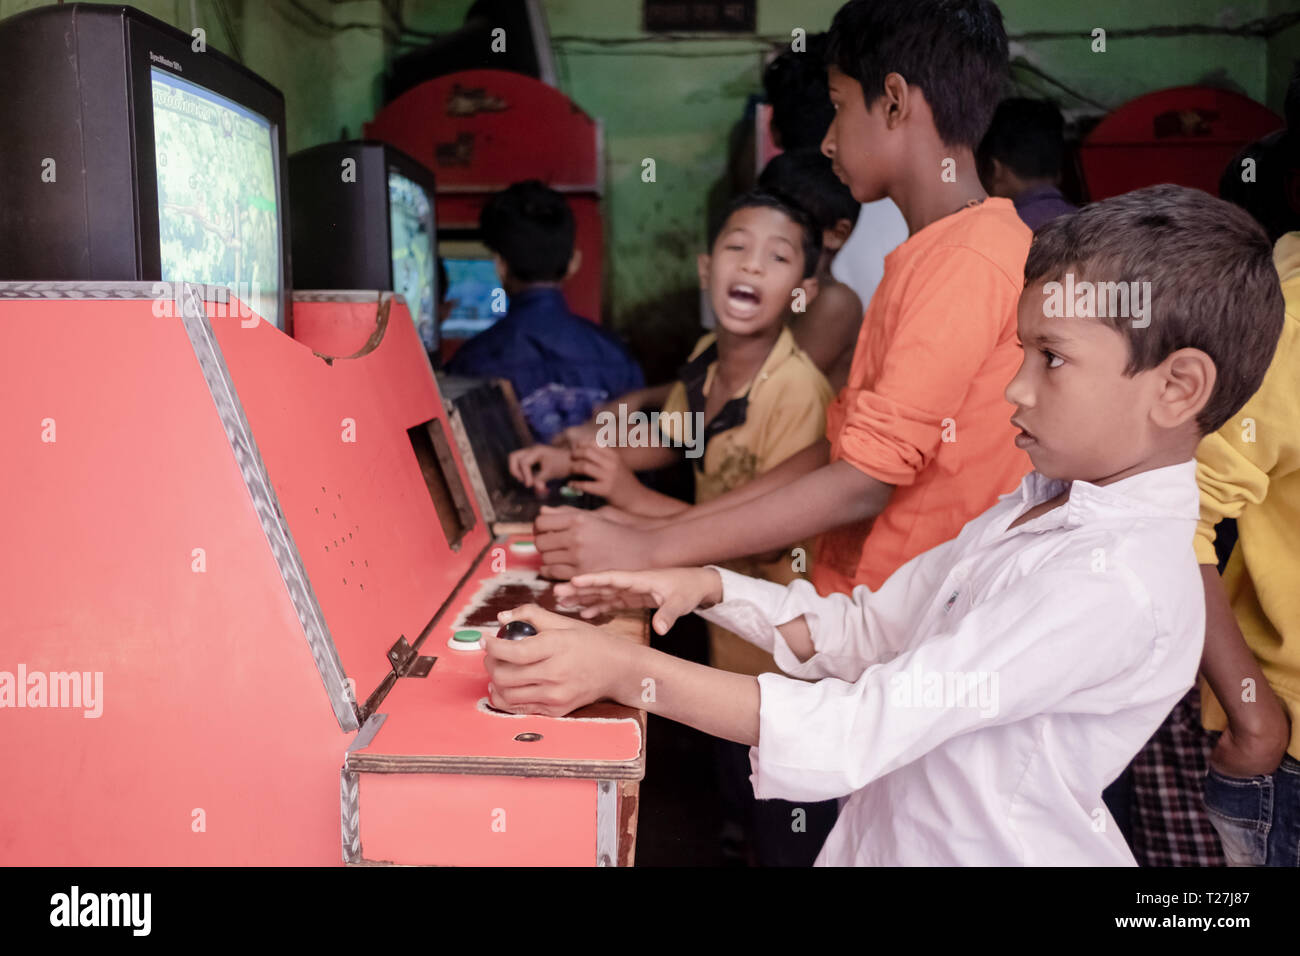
{"x":561,"y":365}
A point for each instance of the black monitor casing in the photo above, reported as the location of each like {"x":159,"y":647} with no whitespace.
{"x":76,"y":88}
{"x":341,"y":232}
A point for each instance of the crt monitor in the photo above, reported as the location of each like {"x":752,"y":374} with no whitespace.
{"x":473,"y":288}
{"x":363,"y":218}
{"x":134,"y":157}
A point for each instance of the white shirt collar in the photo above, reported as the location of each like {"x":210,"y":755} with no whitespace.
{"x":1168,"y":492}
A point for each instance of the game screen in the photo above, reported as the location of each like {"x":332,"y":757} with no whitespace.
{"x":471,"y":283}
{"x":410,"y":220}
{"x":218,"y":210}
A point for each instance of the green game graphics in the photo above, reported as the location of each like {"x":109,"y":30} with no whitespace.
{"x":217,"y":201}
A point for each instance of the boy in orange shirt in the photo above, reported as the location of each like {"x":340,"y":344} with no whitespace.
{"x":919,"y":441}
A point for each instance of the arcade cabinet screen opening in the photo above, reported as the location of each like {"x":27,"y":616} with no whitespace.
{"x":410,"y":220}
{"x":218,"y":209}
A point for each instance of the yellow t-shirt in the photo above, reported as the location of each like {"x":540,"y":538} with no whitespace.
{"x":1250,"y":470}
{"x":784,"y":411}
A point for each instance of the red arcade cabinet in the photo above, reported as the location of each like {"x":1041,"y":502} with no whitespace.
{"x":1184,"y":135}
{"x":245,"y":586}
{"x":481,"y":130}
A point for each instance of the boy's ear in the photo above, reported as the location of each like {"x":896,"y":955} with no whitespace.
{"x":503,"y":270}
{"x":702,"y":263}
{"x":1187,"y":380}
{"x":837,"y":235}
{"x":896,"y":100}
{"x":575,"y":263}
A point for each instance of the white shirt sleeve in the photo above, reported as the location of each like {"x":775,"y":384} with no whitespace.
{"x":1054,"y":639}
{"x":849,"y":632}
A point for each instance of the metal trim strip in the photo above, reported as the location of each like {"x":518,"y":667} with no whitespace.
{"x":252,"y":468}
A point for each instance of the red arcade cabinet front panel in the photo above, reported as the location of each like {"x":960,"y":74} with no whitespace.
{"x":232,"y":559}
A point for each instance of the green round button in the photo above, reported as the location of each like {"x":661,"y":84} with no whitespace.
{"x":568,"y":491}
{"x":467,"y":636}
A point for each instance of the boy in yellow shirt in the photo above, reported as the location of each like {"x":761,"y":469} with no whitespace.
{"x":746,"y":400}
{"x":1250,"y":470}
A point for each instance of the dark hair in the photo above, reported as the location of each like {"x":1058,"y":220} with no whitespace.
{"x":530,"y":226}
{"x":806,"y":176}
{"x":442,"y":279}
{"x":1213,"y":283}
{"x":772,"y":199}
{"x":1027,"y":135}
{"x":795,"y":86}
{"x":954,"y":51}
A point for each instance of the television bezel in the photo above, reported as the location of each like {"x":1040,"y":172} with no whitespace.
{"x":148,"y":46}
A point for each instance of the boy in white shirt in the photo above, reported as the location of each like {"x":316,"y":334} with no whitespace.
{"x":974,"y":707}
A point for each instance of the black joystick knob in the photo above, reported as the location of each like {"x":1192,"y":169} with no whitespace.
{"x":516,"y":631}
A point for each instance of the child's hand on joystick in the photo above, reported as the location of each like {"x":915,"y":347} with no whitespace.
{"x":549,"y":664}
{"x":515,"y":631}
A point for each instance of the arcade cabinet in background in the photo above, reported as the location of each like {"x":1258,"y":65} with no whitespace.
{"x":152,"y":162}
{"x":480,"y":131}
{"x":363,"y":218}
{"x":1183,"y":135}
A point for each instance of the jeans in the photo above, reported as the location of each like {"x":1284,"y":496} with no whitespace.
{"x":1257,"y":818}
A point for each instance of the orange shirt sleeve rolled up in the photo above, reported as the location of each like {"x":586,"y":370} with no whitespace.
{"x":924,"y":408}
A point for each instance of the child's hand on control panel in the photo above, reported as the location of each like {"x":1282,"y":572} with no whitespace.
{"x":567,"y":664}
{"x":610,"y":478}
{"x":674,"y":591}
{"x":535,"y":465}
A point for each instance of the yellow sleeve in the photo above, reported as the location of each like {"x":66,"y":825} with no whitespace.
{"x":1259,"y":444}
{"x":1231,"y":476}
{"x":796,"y":418}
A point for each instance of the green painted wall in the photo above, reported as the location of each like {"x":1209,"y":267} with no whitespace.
{"x":678,"y":101}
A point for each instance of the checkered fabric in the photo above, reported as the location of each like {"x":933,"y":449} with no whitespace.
{"x":1170,"y":823}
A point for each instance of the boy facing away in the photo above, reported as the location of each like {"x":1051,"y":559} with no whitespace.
{"x":560,"y":364}
{"x":1021,"y":156}
{"x":976,"y":704}
{"x":918,"y":441}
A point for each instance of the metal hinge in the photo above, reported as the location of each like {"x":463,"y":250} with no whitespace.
{"x":405,"y":662}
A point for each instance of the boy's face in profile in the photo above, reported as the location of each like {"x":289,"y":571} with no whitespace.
{"x":854,"y":138}
{"x":756,"y":264}
{"x":1080,"y":416}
